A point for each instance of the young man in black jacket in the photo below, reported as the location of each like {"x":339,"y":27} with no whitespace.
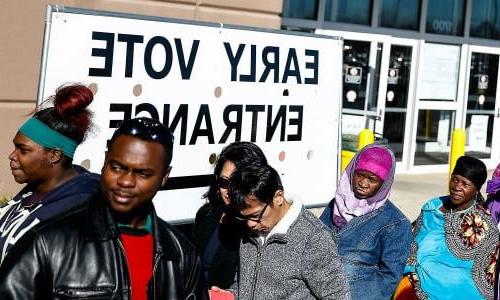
{"x":114,"y":247}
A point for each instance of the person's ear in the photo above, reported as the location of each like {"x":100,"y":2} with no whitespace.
{"x":279,"y":197}
{"x":55,"y":156}
{"x":166,"y":174}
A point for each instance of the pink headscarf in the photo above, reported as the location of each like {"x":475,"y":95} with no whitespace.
{"x":377,"y":159}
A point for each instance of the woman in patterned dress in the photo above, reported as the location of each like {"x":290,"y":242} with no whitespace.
{"x":455,"y":247}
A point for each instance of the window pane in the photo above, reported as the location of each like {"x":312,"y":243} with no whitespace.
{"x":398,"y":81}
{"x":356,"y":72}
{"x":483,"y":82}
{"x":481,"y":104}
{"x":485,"y":20}
{"x":403,"y":14}
{"x":300,"y":9}
{"x":394,"y":132}
{"x":445,"y":17}
{"x":433,"y":136}
{"x":439,"y":72}
{"x":348,"y":11}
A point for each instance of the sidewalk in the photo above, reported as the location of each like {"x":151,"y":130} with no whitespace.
{"x":410,"y":192}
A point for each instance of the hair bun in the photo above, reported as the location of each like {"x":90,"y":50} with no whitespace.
{"x":72,"y":100}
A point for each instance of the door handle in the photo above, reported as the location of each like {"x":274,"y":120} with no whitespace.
{"x":379,"y":115}
{"x":498,"y":113}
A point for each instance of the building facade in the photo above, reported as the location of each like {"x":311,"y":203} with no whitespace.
{"x":414,"y":70}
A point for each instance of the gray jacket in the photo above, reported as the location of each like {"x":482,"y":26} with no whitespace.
{"x":301,"y":264}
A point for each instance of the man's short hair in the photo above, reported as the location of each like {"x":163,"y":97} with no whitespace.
{"x":259,"y":180}
{"x":147,"y":129}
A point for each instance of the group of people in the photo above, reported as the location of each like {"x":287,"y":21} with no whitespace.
{"x":72,"y":234}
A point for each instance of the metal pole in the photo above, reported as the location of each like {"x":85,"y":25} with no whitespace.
{"x":457,"y":148}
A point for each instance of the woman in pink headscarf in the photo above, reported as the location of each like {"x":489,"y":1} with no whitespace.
{"x":373,"y":236}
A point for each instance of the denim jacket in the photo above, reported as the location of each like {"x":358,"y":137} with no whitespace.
{"x":373,"y":248}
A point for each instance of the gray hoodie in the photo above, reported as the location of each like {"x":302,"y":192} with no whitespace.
{"x":300,"y":264}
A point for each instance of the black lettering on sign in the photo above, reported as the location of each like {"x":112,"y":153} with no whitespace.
{"x":270,"y":60}
{"x":131,"y":40}
{"x":186,"y":69}
{"x":106,"y":52}
{"x":299,"y":109}
{"x":254,"y":109}
{"x":312,"y":65}
{"x":148,"y":52}
{"x":292,"y":70}
{"x":203,"y":117}
{"x":124,"y":108}
{"x":234,"y":59}
{"x":232,"y":125}
{"x":253,"y":66}
{"x":273,"y":124}
{"x":286,"y":119}
{"x":274,"y":65}
{"x":181,"y":115}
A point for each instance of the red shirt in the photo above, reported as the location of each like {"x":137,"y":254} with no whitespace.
{"x":139,"y":252}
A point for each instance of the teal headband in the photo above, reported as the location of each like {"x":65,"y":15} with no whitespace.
{"x":45,"y":136}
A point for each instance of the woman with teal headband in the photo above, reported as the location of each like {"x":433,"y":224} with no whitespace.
{"x":42,"y":159}
{"x":454,"y":251}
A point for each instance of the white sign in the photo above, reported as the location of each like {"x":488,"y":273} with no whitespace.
{"x":353,"y":75}
{"x":439,"y":76}
{"x":352,"y":124}
{"x":211,"y":85}
{"x":482,"y":81}
{"x":477,"y":133}
{"x":393,"y":76}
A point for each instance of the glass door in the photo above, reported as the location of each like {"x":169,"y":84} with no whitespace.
{"x":482,"y":109}
{"x":365,"y":73}
{"x":441,"y":77}
{"x":400,"y":98}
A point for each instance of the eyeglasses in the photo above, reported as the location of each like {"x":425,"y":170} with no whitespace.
{"x":223,"y":182}
{"x":246,"y":219}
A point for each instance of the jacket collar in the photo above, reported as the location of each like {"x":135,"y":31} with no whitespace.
{"x":103,"y":227}
{"x":280,"y":235}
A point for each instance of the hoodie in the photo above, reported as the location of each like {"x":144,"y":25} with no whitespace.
{"x":17,"y":218}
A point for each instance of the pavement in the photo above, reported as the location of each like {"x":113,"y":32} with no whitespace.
{"x":411,"y":191}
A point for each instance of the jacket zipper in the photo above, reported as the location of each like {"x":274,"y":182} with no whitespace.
{"x":256,"y":273}
{"x":157,"y":261}
{"x":128,"y":269}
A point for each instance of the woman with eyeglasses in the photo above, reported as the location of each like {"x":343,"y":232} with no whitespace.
{"x":454,"y":251}
{"x":216,"y":233}
{"x":42,"y":159}
{"x":373,"y":236}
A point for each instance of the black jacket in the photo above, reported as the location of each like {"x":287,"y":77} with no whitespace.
{"x":80,"y":255}
{"x":224,"y":265}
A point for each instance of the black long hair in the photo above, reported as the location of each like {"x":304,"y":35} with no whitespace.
{"x":240,"y":154}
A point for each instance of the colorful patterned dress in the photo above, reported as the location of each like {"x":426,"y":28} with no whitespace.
{"x":453,"y":255}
